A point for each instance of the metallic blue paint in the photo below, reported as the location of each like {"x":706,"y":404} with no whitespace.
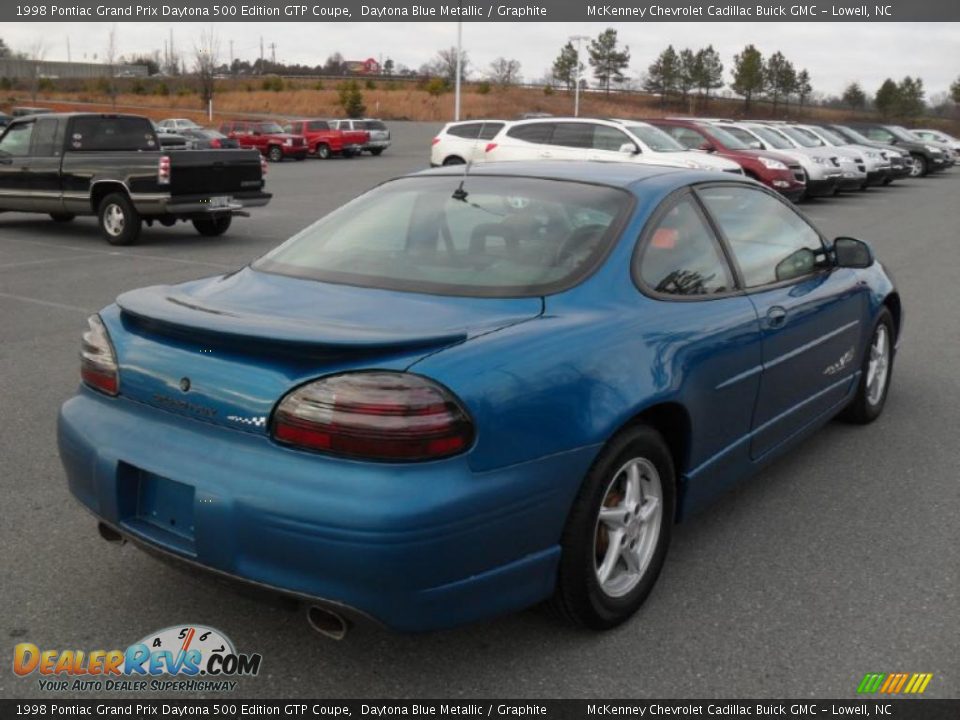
{"x":548,"y":381}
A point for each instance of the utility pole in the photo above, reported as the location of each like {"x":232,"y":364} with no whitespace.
{"x":231,"y":56}
{"x":273,"y":53}
{"x":576,"y":91}
{"x":456,"y":100}
{"x":261,"y":54}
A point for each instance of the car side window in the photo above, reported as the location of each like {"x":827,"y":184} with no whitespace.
{"x":769,"y":240}
{"x":44,"y":138}
{"x":608,"y":138}
{"x":17,"y":140}
{"x":469,"y":131}
{"x":690,"y":139}
{"x":682,"y":257}
{"x":573,"y":134}
{"x":878,"y":134}
{"x":317,"y":125}
{"x":538,"y":133}
{"x":489,"y":130}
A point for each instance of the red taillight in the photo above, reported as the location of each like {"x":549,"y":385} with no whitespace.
{"x":163,"y":170}
{"x":489,"y":147}
{"x":387,"y":416}
{"x":98,"y":362}
{"x":215,"y":142}
{"x":435,"y":141}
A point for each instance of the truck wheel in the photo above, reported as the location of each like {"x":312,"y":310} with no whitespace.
{"x":62,"y":217}
{"x":376,"y":151}
{"x":275,"y":153}
{"x":119,"y":219}
{"x":323,"y":151}
{"x":214,"y":226}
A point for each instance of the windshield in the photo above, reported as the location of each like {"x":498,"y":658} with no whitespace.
{"x":900,"y":132}
{"x":834,"y":137}
{"x":656,"y":139}
{"x":272,"y":128}
{"x":857,"y":137}
{"x":804,"y":138}
{"x":733,"y":142}
{"x":495,"y":237}
{"x":774,"y":138}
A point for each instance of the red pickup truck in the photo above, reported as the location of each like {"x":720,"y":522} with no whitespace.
{"x":324,"y":141}
{"x":267,"y":137}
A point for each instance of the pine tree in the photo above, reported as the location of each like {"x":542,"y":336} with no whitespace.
{"x":565,"y":66}
{"x":607,"y":61}
{"x":748,"y":79}
{"x":854,"y":97}
{"x":887,"y":99}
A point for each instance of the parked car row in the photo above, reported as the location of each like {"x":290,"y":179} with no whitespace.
{"x":296,"y":138}
{"x":798,"y":160}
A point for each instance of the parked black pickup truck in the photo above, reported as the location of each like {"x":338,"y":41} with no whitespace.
{"x":112,"y":166}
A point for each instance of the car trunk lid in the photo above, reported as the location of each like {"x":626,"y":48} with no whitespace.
{"x":224,"y":350}
{"x":214,"y":172}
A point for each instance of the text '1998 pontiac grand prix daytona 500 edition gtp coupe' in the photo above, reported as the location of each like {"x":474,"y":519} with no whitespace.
{"x":464,"y":393}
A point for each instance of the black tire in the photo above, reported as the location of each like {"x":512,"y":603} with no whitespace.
{"x":376,"y":152}
{"x":213,"y":226}
{"x":275,"y":153}
{"x":119,"y":220}
{"x":921,"y":166}
{"x":454,"y":160}
{"x":865,"y":407}
{"x":323,"y":151}
{"x":579,"y":596}
{"x":62,"y":217}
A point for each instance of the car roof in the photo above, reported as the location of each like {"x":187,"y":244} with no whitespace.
{"x":614,"y":174}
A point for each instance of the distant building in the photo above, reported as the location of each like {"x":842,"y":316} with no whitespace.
{"x":363,"y":67}
{"x":22,"y":68}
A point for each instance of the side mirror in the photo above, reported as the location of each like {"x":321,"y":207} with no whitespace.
{"x":707,"y":146}
{"x":630,"y":148}
{"x":757,"y":145}
{"x":849,"y":252}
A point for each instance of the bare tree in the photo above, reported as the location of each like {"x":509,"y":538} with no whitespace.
{"x":206,"y":53}
{"x":35,"y":55}
{"x":504,"y":72}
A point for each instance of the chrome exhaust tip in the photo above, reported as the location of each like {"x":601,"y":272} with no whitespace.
{"x":109,"y":534}
{"x":327,"y":622}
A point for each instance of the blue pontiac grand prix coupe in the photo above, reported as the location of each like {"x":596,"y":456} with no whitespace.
{"x":462,"y":394}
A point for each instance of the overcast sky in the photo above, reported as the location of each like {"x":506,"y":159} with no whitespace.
{"x":834,"y":53}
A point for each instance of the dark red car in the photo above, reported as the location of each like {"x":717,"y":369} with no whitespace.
{"x":324,"y":141}
{"x":776,"y":171}
{"x":267,"y":137}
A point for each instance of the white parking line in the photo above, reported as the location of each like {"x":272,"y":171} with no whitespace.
{"x":47,"y":303}
{"x":117,"y":253}
{"x":27,"y":263}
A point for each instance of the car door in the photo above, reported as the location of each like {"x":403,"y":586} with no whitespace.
{"x":41,"y":167}
{"x":707,"y":340}
{"x":608,"y":143}
{"x":527,"y":141}
{"x":810,"y":313}
{"x":14,"y":157}
{"x":570,"y":141}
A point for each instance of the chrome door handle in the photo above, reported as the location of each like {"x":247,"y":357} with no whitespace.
{"x":776,"y":316}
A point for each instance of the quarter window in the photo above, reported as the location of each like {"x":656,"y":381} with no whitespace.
{"x":682,"y":257}
{"x":770,"y":241}
{"x":490,"y":130}
{"x":608,"y":138}
{"x":469,"y":131}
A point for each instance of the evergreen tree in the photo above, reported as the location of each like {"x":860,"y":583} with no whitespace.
{"x":748,"y":75}
{"x":565,"y":66}
{"x":854,"y":97}
{"x":607,"y":60}
{"x":887,"y":99}
{"x":710,"y":76}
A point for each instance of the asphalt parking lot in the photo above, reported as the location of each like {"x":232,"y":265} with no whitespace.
{"x":841,"y":559}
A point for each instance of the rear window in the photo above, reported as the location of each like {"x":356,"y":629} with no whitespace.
{"x":371,"y":125}
{"x":502,"y":237}
{"x":112,"y":133}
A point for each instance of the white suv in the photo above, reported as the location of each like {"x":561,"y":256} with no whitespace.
{"x":590,"y":139}
{"x":462,"y":142}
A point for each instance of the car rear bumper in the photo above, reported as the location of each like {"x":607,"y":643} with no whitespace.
{"x":377,"y":144}
{"x":192,"y":205}
{"x":414,"y":546}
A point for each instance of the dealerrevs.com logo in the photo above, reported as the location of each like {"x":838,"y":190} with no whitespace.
{"x":186,"y":658}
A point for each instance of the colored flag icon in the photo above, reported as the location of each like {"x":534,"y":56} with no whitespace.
{"x":894,"y":683}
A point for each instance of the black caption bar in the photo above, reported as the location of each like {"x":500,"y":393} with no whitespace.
{"x":484,"y":11}
{"x":552,"y":709}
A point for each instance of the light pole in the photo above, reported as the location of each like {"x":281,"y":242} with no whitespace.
{"x":456,"y":82}
{"x":576,"y":91}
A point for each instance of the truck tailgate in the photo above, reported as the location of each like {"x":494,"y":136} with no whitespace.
{"x":214,"y":172}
